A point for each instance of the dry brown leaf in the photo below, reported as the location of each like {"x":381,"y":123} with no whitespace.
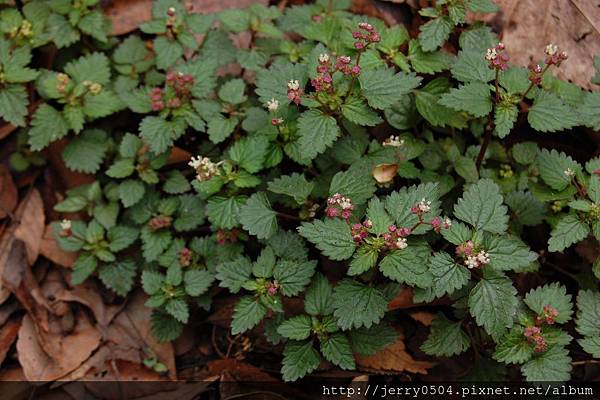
{"x":393,"y":359}
{"x":131,"y":328}
{"x":30,"y":230}
{"x":75,"y":348}
{"x":402,"y":300}
{"x":528,"y":26}
{"x":384,"y":173}
{"x":8,"y":192}
{"x":127,"y":15}
{"x":88,"y":294}
{"x":424,"y":317}
{"x":8,"y":334}
{"x":239,"y":371}
{"x":178,"y":155}
{"x":50,"y":249}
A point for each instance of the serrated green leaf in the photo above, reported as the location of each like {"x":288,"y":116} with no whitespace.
{"x":318,"y":299}
{"x":434,"y":33}
{"x":331,"y":236}
{"x":47,"y":126}
{"x":168,"y":52}
{"x":232,"y":91}
{"x":368,"y":341}
{"x":568,"y":230}
{"x":357,"y":305}
{"x":233,"y":274}
{"x":165,"y":328}
{"x":223,"y":212}
{"x":154,"y":242}
{"x":131,"y":192}
{"x":296,"y":328}
{"x":86,"y":152}
{"x":554,"y":295}
{"x":471,"y":65}
{"x":446,"y":338}
{"x":293,"y":276}
{"x":160,"y":133}
{"x":383,"y":87}
{"x":448,"y":276}
{"x":257,"y":216}
{"x":550,"y":114}
{"x":409,"y":265}
{"x":247,"y":314}
{"x":299,"y":359}
{"x":552,"y":365}
{"x":13,"y":104}
{"x":250,"y":153}
{"x":398,"y":205}
{"x":481,"y":206}
{"x":85,"y":265}
{"x":514,"y":348}
{"x":294,"y":185}
{"x":197,"y":281}
{"x":474,"y":97}
{"x":507,"y":252}
{"x":118,"y":276}
{"x":358,"y":185}
{"x":337,"y":350}
{"x":356,"y":111}
{"x":493,"y":303}
{"x":317,"y":132}
{"x":553,"y":167}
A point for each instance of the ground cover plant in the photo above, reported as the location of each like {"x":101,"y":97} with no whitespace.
{"x":301,"y":181}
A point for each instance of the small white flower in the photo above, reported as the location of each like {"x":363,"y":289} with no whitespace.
{"x":393,"y":141}
{"x":424,"y":206}
{"x":65,"y":224}
{"x":551,"y":49}
{"x":294,"y":84}
{"x":491,"y":54}
{"x":345,"y":203}
{"x":401,"y":243}
{"x":483,"y":258}
{"x":569,"y":173}
{"x":272,"y":105}
{"x":447,"y":222}
{"x":205,"y":169}
{"x":471,"y":262}
{"x":323,"y":58}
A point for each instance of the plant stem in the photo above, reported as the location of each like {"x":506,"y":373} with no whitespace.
{"x":490,"y":126}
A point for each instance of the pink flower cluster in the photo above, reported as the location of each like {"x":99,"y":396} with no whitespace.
{"x":272,"y":288}
{"x":422,"y":207}
{"x":553,"y":56}
{"x":360,"y":231}
{"x":474,"y":257}
{"x":323,"y":81}
{"x":342,"y":64}
{"x":534,"y":335}
{"x":182,"y":85}
{"x":497,"y":58}
{"x":185,"y":257}
{"x":549,"y":315}
{"x":395,"y":238}
{"x":338,"y":205}
{"x":224,"y":236}
{"x":535,"y":74}
{"x":294,"y":91}
{"x":438,"y":223}
{"x":159,"y":222}
{"x":366,"y":37}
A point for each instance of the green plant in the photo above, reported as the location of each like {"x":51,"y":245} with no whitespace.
{"x":288,"y":177}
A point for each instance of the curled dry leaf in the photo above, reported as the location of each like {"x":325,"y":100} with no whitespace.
{"x":393,"y":359}
{"x":75,"y":348}
{"x":424,"y":317}
{"x":239,"y":371}
{"x":8,"y":192}
{"x":31,"y":226}
{"x":8,"y":334}
{"x":384,"y":173}
{"x":402,"y":300}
